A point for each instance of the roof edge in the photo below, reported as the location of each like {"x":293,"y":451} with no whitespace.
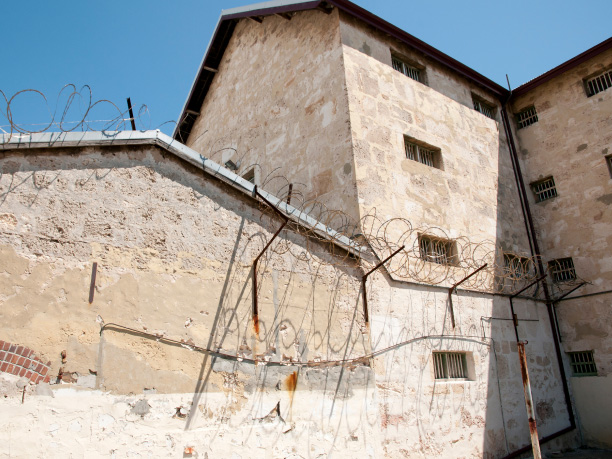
{"x":564,"y":67}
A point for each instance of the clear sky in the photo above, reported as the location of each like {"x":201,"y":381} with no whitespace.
{"x":150,"y":51}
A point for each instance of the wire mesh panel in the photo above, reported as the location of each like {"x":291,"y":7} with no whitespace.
{"x":599,"y":83}
{"x":562,"y":270}
{"x":406,"y":69}
{"x":527,"y":117}
{"x":544,"y":189}
{"x":450,"y":365}
{"x":583,"y":363}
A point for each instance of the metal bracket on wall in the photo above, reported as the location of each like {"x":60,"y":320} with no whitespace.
{"x":365,"y":277}
{"x":454,"y":287}
{"x":285,"y":221}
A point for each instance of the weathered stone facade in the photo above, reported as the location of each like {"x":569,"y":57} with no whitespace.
{"x":570,"y":142}
{"x":128,"y":265}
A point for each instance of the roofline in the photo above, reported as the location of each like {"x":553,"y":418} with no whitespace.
{"x":12,"y":142}
{"x":566,"y":66}
{"x":289,"y":6}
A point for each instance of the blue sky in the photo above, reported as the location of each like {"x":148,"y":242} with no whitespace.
{"x":150,"y":51}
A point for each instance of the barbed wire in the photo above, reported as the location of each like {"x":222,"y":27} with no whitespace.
{"x":79,"y":105}
{"x":428,"y":254}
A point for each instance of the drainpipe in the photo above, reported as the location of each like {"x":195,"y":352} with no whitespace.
{"x":533,"y":241}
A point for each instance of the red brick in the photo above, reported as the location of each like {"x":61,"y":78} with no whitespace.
{"x":31,"y":376}
{"x":13,"y":348}
{"x":4,"y":366}
{"x":27,"y":353}
{"x":39,"y":368}
{"x":14,"y":358}
{"x":22,"y":372}
{"x":11,"y":369}
{"x":5,"y":346}
{"x":47,"y":379}
{"x":19,"y":350}
{"x":37,"y":378}
{"x":21,"y":362}
{"x":27,"y":364}
{"x":44,"y":370}
{"x":2,"y":355}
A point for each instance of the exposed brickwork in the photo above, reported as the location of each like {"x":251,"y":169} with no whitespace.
{"x":21,"y":361}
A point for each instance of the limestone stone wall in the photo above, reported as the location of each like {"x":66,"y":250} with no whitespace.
{"x":174,"y":251}
{"x":279,"y":105}
{"x":570,"y":142}
{"x":470,"y":194}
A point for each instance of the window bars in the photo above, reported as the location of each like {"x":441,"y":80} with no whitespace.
{"x":408,"y":70}
{"x":526,"y":117}
{"x":450,"y":365}
{"x":562,"y":270}
{"x":583,"y":363}
{"x":599,"y":83}
{"x":516,"y":267}
{"x":483,"y":108}
{"x":436,"y":250}
{"x":544,"y":189}
{"x":421,"y":154}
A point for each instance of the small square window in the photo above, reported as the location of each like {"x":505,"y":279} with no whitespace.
{"x":583,"y":363}
{"x":407,"y":69}
{"x":599,"y":83}
{"x":516,"y":267}
{"x":249,"y":176}
{"x":526,"y":117}
{"x":483,"y":107}
{"x":430,"y":156}
{"x":544,"y":189}
{"x":438,"y":250}
{"x":450,"y":365}
{"x":562,"y":270}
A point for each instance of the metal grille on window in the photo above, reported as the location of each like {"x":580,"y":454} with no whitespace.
{"x":450,"y":365}
{"x":583,"y":363}
{"x":562,"y":270}
{"x":516,"y":267}
{"x":406,"y":69}
{"x":436,"y":250}
{"x":483,"y":108}
{"x":420,"y":154}
{"x":544,"y":189}
{"x":527,"y":117}
{"x":599,"y":83}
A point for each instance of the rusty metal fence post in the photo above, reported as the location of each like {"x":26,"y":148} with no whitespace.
{"x":533,"y":429}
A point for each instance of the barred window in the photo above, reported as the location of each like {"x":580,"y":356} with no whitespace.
{"x":450,"y":365}
{"x":516,"y":267}
{"x":409,"y":70}
{"x":544,"y":189}
{"x":437,"y":250}
{"x":526,"y":117}
{"x":562,"y":270}
{"x":482,"y":107}
{"x":599,"y":83}
{"x":425,"y":155}
{"x":583,"y":363}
